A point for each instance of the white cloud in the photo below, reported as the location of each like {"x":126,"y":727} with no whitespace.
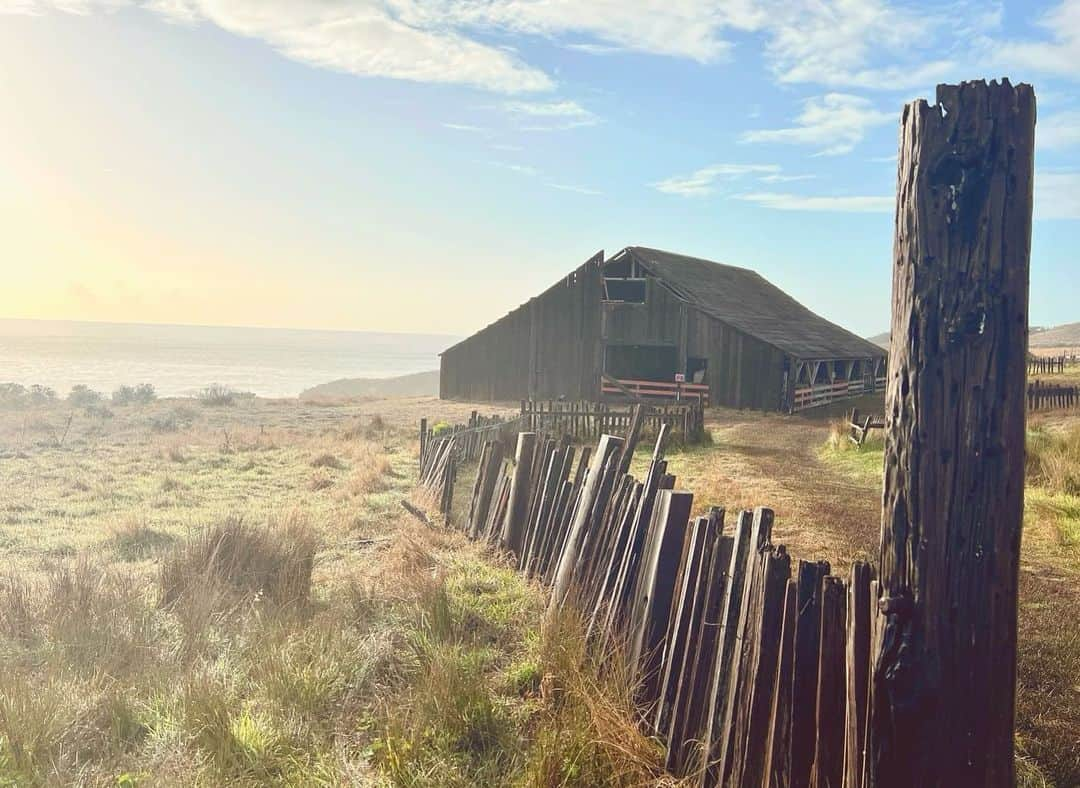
{"x":1058,"y":131}
{"x":551,"y":116}
{"x":1058,"y":55}
{"x":682,"y":28}
{"x":702,"y":183}
{"x":835,"y":123}
{"x":363,"y":37}
{"x":832,"y":42}
{"x":798,"y":202}
{"x":79,"y":7}
{"x":778,"y":178}
{"x":869,"y":44}
{"x":521,"y":169}
{"x":567,"y":187}
{"x":465,"y":127}
{"x":1057,"y":195}
{"x":533,"y":172}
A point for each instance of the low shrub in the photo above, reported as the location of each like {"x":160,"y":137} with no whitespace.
{"x":142,"y":394}
{"x":82,"y":396}
{"x":15,"y":396}
{"x":216,"y":396}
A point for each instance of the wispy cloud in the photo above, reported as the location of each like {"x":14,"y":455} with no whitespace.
{"x":779,"y":178}
{"x":523,"y":169}
{"x":552,"y":115}
{"x":1057,"y":194}
{"x":868,"y":44}
{"x":595,"y":49}
{"x":798,"y":202}
{"x":1058,"y":131}
{"x":465,"y":127}
{"x":1057,"y":54}
{"x":835,"y":123}
{"x":533,"y":172}
{"x":702,"y":183}
{"x":567,"y":187}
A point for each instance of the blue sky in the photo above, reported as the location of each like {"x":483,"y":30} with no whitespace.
{"x":426,"y":165}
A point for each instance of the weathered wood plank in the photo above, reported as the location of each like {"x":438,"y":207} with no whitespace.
{"x":513,"y":530}
{"x":655,"y":589}
{"x":778,"y":749}
{"x":587,"y":499}
{"x":804,"y":678}
{"x":857,"y":672}
{"x":828,"y":770}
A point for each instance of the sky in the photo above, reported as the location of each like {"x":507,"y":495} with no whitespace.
{"x":428,"y":165}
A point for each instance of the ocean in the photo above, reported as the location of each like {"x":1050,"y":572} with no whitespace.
{"x":181,"y":360}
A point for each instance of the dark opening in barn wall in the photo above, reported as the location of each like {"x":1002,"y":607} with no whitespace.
{"x":631,"y":291}
{"x":641,"y":362}
{"x":696,"y":369}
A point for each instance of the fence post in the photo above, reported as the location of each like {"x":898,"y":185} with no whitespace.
{"x":944,"y":677}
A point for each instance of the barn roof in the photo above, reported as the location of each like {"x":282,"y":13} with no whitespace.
{"x":749,"y":303}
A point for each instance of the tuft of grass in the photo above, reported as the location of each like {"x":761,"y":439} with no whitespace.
{"x":134,"y":540}
{"x":587,"y":731}
{"x":240,"y":559}
{"x":1053,"y":459}
{"x":327,"y":460}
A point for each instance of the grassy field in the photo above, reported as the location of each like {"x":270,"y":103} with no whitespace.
{"x":197,"y":595}
{"x":209,"y":595}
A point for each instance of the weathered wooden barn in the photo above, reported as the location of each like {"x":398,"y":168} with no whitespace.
{"x":653,"y":323}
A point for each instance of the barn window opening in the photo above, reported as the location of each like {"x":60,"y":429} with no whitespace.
{"x":641,"y":362}
{"x":629,"y":291}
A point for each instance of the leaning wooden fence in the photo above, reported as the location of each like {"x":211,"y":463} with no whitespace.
{"x":750,"y":664}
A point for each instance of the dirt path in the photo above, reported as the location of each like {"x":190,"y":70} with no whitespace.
{"x":764,"y":460}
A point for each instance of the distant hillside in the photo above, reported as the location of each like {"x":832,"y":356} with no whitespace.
{"x":1066,"y":335}
{"x":881,"y":340}
{"x":1063,"y":336}
{"x":420,"y":384}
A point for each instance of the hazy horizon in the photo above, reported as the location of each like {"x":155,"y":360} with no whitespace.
{"x":180,"y":360}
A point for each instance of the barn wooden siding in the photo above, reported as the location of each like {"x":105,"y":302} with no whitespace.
{"x":743,"y":371}
{"x":547,"y":348}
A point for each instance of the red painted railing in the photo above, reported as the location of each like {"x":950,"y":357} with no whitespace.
{"x":658,"y":389}
{"x":822,"y":393}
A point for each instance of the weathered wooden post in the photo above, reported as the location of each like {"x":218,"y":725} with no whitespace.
{"x":513,"y":529}
{"x":944,"y":675}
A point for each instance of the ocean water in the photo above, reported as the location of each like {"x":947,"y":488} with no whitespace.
{"x":180,"y":360}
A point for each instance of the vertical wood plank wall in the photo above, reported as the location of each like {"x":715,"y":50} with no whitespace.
{"x":553,"y":346}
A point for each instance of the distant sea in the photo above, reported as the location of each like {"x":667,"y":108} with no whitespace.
{"x":180,"y":360}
